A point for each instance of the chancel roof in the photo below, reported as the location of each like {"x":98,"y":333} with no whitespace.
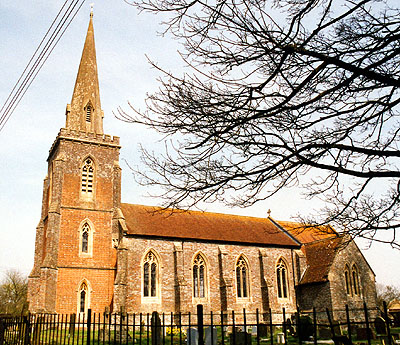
{"x":320,"y":256}
{"x":151,"y":221}
{"x":320,"y":246}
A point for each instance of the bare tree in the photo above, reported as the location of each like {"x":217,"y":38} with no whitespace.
{"x":282,"y":93}
{"x":386,"y":293}
{"x":13,"y":293}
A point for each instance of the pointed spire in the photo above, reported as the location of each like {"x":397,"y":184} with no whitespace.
{"x":84,"y":113}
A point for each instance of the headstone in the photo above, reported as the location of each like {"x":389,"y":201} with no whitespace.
{"x":380,"y":325}
{"x":192,"y":337}
{"x":263,"y":330}
{"x":336,"y":328}
{"x":280,"y":338}
{"x":362,"y":333}
{"x":324,"y":332}
{"x":155,"y":329}
{"x":210,"y":336}
{"x":240,"y":338}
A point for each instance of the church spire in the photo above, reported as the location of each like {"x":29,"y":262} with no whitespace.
{"x":84,"y":113}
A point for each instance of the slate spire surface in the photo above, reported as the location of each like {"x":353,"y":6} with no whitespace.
{"x":84,"y":113}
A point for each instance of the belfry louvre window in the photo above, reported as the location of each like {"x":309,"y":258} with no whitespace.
{"x":87,"y":177}
{"x":88,"y":113}
{"x":281,"y":275}
{"x":150,"y":275}
{"x":199,"y":276}
{"x":242,"y":278}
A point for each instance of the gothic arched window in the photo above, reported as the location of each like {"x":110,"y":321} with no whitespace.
{"x":281,"y":275}
{"x":199,"y":276}
{"x":87,"y":177}
{"x":242,"y":278}
{"x":355,"y":281}
{"x":150,"y":275}
{"x":347,"y":280}
{"x":83,"y":297}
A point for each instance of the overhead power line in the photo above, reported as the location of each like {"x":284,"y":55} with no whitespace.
{"x":53,"y":35}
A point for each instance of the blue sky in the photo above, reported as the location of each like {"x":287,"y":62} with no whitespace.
{"x":123,"y":39}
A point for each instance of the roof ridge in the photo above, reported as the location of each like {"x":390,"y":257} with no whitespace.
{"x":197,"y":211}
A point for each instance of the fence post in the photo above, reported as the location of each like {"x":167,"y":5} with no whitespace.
{"x":284,"y":325}
{"x":348,"y":324}
{"x":330,"y":323}
{"x":89,"y":325}
{"x":200,"y":323}
{"x":2,"y":329}
{"x":271,"y":327}
{"x":298,"y":324}
{"x":315,"y":326}
{"x":27,"y":338}
{"x":367,"y":324}
{"x":387,"y":323}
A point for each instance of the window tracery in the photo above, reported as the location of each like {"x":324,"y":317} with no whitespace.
{"x":199,"y":277}
{"x":242,"y":278}
{"x":150,"y":275}
{"x":281,"y":273}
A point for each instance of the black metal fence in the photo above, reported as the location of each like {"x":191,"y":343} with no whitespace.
{"x":222,"y":328}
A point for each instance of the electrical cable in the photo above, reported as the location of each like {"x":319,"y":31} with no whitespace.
{"x":15,"y":96}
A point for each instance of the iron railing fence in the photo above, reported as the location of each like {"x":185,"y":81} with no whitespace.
{"x":220,"y":328}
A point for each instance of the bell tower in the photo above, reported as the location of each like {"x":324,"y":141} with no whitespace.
{"x":75,"y":255}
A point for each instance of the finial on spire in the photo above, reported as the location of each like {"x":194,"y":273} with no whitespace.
{"x":91,"y":9}
{"x":269,"y":213}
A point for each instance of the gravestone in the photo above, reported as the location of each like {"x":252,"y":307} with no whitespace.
{"x":362,"y":333}
{"x":280,"y":338}
{"x":336,"y":328}
{"x":324,"y":332}
{"x":263,"y":330}
{"x":240,"y":338}
{"x":210,"y":336}
{"x":192,"y":336}
{"x":380,"y":325}
{"x":155,"y":329}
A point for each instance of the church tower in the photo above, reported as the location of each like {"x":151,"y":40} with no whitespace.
{"x":75,"y":248}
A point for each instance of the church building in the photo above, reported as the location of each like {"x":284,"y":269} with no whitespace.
{"x":93,"y":251}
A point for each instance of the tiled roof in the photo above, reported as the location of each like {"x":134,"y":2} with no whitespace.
{"x":195,"y":225}
{"x":307,"y":234}
{"x":320,"y":245}
{"x":320,"y":256}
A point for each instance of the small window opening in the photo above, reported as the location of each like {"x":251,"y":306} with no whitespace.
{"x":88,"y":113}
{"x":85,"y":238}
{"x":82,"y":298}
